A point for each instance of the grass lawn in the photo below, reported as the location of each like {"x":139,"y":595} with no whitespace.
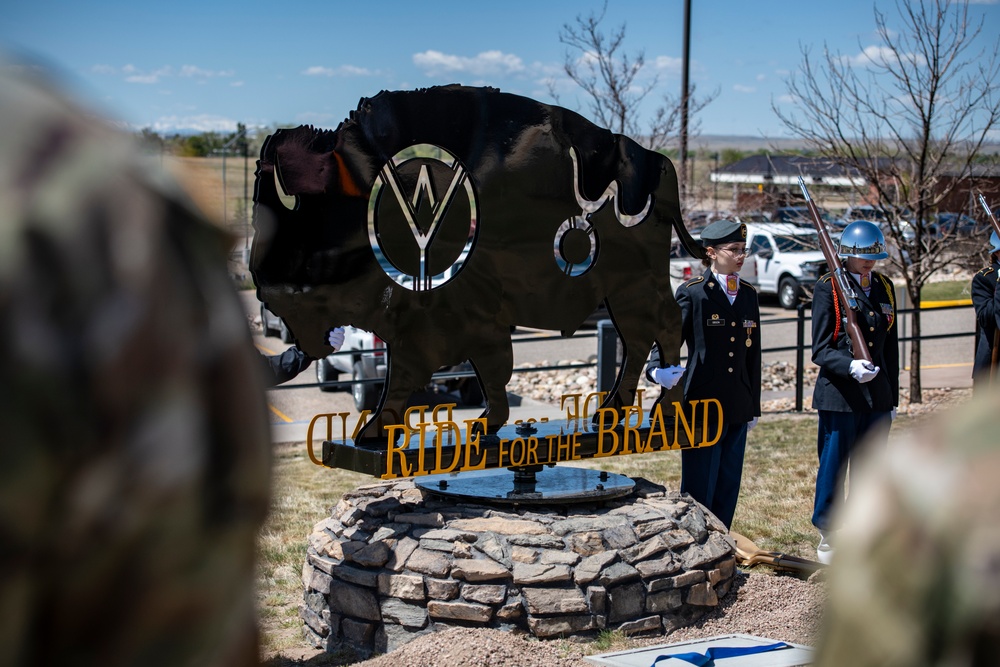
{"x":949,"y":290}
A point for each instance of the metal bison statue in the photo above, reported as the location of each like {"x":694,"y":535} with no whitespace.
{"x":440,"y":219}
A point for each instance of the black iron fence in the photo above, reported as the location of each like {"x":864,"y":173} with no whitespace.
{"x":609,"y":352}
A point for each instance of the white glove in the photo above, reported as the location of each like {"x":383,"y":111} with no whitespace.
{"x":669,"y":376}
{"x":892,"y":415}
{"x":752,"y":423}
{"x":335,"y":338}
{"x":860,"y":372}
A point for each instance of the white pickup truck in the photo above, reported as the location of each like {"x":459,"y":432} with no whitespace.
{"x":784,"y":259}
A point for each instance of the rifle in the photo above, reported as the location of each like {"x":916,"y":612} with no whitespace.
{"x":996,"y":334}
{"x":843,"y":286}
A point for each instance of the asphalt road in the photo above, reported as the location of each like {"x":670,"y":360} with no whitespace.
{"x":945,"y":362}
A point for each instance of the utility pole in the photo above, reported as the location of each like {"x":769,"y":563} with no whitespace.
{"x":685,"y":94}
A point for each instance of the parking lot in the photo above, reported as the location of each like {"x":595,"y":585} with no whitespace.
{"x":946,"y":362}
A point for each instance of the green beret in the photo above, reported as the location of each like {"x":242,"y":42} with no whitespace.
{"x":723,"y":231}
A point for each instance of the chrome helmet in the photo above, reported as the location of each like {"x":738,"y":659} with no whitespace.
{"x":994,"y":243}
{"x":863,"y":239}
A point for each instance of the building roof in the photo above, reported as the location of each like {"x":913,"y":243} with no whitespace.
{"x":786,"y":169}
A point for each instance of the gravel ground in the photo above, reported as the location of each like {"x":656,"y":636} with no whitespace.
{"x":779,"y":607}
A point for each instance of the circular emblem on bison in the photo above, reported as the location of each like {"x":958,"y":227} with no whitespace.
{"x":422,"y":217}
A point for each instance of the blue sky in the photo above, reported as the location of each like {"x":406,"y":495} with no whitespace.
{"x":207,"y":65}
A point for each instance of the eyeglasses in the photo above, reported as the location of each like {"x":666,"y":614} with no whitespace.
{"x":735,"y":251}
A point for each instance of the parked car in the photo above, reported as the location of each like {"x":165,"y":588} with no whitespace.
{"x":363,"y":357}
{"x":271,"y":324}
{"x":783,"y":259}
{"x":956,"y":225}
{"x":878,"y":216}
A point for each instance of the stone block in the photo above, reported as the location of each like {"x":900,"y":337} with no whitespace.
{"x":663,"y":601}
{"x":403,"y":613}
{"x":479,"y":570}
{"x":643,"y":550}
{"x":590,"y":567}
{"x":484,"y":593}
{"x":460,"y":611}
{"x":638,"y":626}
{"x":560,"y":625}
{"x":400,"y":553}
{"x":372,"y":555}
{"x":442,"y":589}
{"x":538,"y":541}
{"x":433,"y":519}
{"x":350,"y":600}
{"x":356,"y":575}
{"x":358,"y":633}
{"x":429,"y":563}
{"x":403,"y":586}
{"x":538,"y":573}
{"x":548,"y":601}
{"x":617,"y":573}
{"x":619,"y":537}
{"x":597,"y":599}
{"x":586,"y":544}
{"x":626,"y":602}
{"x":500,"y":526}
{"x":553,"y":557}
{"x":702,"y":595}
{"x":660,"y":567}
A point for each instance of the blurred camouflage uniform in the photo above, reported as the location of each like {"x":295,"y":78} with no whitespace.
{"x":134,"y":464}
{"x":916,"y":579}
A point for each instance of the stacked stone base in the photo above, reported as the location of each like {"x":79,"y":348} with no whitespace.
{"x":392,"y":563}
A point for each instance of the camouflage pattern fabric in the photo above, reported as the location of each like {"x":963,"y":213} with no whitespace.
{"x":916,"y":576}
{"x":134,"y":454}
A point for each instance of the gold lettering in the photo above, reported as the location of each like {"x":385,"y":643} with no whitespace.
{"x":603,"y":430}
{"x":657,"y":427}
{"x":532,"y":450}
{"x":446,"y":428}
{"x":444,"y":406}
{"x":473,"y":443}
{"x":639,"y":393}
{"x":629,"y":409}
{"x":704,"y":423}
{"x":680,"y":417}
{"x":365,"y":414}
{"x":329,"y":432}
{"x":502,"y":453}
{"x":404,"y":468}
{"x":573,"y":413}
{"x":575,"y":441}
{"x":599,"y":395}
{"x":563,"y":445}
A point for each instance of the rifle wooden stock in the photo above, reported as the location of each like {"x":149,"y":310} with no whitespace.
{"x":843,"y":290}
{"x":995,"y":354}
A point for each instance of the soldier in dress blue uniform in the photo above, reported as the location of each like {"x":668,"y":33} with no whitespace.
{"x":986,"y":301}
{"x":720,"y":323}
{"x":854,"y":401}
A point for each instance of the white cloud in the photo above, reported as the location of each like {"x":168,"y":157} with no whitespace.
{"x":881,"y":56}
{"x":761,"y":77}
{"x":132,"y":74}
{"x":739,"y":88}
{"x":668,"y":63}
{"x":236,"y":84}
{"x":343,"y":70}
{"x":487,"y":63}
{"x":196,"y":123}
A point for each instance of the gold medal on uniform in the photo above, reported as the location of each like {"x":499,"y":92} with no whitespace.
{"x":866,"y":281}
{"x":749,"y":325}
{"x":732,"y":284}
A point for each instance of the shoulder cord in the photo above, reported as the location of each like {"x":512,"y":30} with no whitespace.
{"x":836,"y":312}
{"x":892,"y":298}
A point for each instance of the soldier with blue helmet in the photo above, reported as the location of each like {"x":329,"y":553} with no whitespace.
{"x":720,"y":319}
{"x":855,"y":400}
{"x":985,"y":297}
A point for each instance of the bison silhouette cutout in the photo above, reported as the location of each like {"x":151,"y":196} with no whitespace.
{"x":441,"y":218}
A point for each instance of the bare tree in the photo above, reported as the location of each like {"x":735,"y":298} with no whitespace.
{"x":911,"y":116}
{"x":611,"y":79}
